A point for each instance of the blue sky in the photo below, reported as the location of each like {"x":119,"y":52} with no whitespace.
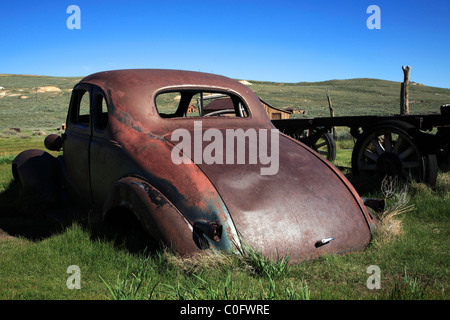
{"x":281,"y":41}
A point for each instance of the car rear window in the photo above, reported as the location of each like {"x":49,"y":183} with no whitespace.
{"x":188,"y":103}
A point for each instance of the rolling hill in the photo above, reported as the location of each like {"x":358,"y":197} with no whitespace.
{"x":33,"y":102}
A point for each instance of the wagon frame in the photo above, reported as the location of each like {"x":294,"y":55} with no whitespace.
{"x":411,"y":145}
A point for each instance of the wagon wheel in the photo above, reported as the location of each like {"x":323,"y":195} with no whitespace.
{"x":389,"y":149}
{"x":318,"y":139}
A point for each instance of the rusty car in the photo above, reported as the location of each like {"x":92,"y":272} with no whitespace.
{"x":138,"y":143}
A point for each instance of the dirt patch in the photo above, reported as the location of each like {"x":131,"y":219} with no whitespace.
{"x":4,"y":93}
{"x":48,"y":89}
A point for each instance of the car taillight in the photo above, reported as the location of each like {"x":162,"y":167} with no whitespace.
{"x":212,"y":230}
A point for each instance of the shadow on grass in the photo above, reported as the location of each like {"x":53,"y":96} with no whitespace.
{"x":363,"y":185}
{"x":126,"y":232}
{"x":23,"y":213}
{"x":26,"y":214}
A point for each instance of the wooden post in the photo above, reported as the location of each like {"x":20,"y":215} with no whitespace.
{"x":404,"y":92}
{"x":330,"y":106}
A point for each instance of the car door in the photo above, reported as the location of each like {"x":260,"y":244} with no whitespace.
{"x":103,"y":151}
{"x":108,"y":160}
{"x":77,"y":139}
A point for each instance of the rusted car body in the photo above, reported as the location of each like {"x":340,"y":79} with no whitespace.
{"x":119,"y":155}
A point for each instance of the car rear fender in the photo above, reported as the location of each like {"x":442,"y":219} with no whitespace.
{"x":157,"y":215}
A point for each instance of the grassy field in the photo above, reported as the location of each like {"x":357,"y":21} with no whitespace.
{"x":411,"y":246}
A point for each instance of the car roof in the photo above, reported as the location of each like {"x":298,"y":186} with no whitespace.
{"x":134,"y":90}
{"x":145,"y":81}
{"x":131,"y":93}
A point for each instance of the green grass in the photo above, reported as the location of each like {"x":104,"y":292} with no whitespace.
{"x":36,"y":250}
{"x":414,"y":265}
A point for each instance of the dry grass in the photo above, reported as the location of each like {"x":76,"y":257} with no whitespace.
{"x":194,"y":264}
{"x":390,"y":221}
{"x":443,"y":183}
{"x":390,"y":224}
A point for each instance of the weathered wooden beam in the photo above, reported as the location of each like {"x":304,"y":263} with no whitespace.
{"x":330,"y":106}
{"x":404,"y":92}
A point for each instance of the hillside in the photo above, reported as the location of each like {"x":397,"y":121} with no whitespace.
{"x":34,"y":102}
{"x":351,"y":97}
{"x":40,"y":102}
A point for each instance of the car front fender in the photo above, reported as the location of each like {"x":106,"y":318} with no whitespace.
{"x":38,"y":170}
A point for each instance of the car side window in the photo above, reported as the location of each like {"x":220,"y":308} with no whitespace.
{"x":101,"y":112}
{"x":80,"y":111}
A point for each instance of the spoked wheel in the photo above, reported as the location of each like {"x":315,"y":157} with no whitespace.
{"x":319,"y":140}
{"x":389,"y":149}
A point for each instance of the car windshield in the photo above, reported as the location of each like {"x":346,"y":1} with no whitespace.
{"x":190,"y":103}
